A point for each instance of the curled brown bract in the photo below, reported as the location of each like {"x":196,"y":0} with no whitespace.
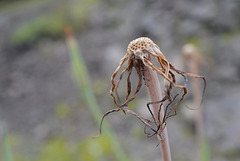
{"x":139,"y":53}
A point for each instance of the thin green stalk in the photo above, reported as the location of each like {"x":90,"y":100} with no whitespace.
{"x":7,"y":151}
{"x":82,"y":80}
{"x":205,"y":150}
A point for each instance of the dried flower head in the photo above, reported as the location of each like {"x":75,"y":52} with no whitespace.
{"x":139,"y":53}
{"x":190,"y":52}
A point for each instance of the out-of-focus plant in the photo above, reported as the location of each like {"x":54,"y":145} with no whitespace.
{"x":92,"y":149}
{"x":51,"y":24}
{"x":193,"y":59}
{"x":7,"y":151}
{"x":56,"y":149}
{"x":7,"y":6}
{"x":82,"y":80}
{"x":62,"y":110}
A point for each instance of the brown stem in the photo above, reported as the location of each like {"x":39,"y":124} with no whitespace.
{"x":193,"y":60}
{"x":154,"y":91}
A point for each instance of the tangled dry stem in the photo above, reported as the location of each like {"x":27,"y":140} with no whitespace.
{"x":139,"y":53}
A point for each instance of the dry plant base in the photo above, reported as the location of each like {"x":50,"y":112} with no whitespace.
{"x":138,"y":56}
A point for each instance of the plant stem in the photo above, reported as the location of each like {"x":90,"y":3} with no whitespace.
{"x":7,"y":150}
{"x":154,"y":91}
{"x":193,"y":60}
{"x":193,"y":68}
{"x":81,"y":77}
{"x":202,"y":141}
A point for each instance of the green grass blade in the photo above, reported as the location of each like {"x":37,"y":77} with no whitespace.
{"x":7,"y":151}
{"x":81,"y":78}
{"x":205,"y":151}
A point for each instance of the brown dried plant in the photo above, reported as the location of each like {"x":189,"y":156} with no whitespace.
{"x":139,"y":53}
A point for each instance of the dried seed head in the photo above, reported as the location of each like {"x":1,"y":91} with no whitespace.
{"x":138,"y":56}
{"x":191,"y":53}
{"x":139,"y":45}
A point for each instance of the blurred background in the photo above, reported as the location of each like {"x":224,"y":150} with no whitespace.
{"x":56,"y":60}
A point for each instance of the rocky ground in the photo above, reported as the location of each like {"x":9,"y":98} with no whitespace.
{"x":36,"y":80}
